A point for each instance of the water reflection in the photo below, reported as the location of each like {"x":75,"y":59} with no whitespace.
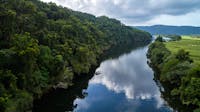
{"x":124,"y":84}
{"x":127,"y":74}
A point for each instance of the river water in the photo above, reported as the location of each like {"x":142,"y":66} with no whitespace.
{"x":122,"y":84}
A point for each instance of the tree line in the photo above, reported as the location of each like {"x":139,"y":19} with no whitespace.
{"x":178,"y":75}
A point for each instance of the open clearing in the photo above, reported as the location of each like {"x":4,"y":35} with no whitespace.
{"x":187,"y":43}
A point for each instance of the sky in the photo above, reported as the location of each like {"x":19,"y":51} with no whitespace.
{"x":140,"y":12}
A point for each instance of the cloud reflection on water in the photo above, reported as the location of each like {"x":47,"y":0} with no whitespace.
{"x":129,"y":74}
{"x":123,"y":84}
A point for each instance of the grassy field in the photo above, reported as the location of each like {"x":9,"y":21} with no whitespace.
{"x":187,"y":43}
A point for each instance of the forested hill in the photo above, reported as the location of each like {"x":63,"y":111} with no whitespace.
{"x":42,"y":45}
{"x":163,"y":29}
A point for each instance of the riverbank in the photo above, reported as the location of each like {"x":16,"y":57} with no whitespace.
{"x":80,"y":82}
{"x":178,"y":72}
{"x":43,"y":45}
{"x":129,"y":70}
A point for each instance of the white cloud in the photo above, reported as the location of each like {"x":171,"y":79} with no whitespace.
{"x":137,"y":11}
{"x":129,"y":74}
{"x":83,"y":104}
{"x":187,"y":19}
{"x":123,"y":75}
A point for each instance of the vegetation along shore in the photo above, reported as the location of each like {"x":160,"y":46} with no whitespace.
{"x":43,"y":45}
{"x":177,"y":67}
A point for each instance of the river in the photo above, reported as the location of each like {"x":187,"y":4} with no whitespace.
{"x":122,"y":84}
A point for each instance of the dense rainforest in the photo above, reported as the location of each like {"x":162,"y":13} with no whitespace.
{"x":179,"y":75}
{"x":43,"y":45}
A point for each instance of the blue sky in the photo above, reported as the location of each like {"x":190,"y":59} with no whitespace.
{"x":140,"y":12}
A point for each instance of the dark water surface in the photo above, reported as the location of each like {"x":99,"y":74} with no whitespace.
{"x":123,"y":84}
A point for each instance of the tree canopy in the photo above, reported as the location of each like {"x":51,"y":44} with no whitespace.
{"x":42,"y":44}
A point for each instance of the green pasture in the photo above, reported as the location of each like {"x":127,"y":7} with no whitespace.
{"x":187,"y":43}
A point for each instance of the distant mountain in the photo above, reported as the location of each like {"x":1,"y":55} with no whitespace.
{"x":164,"y":29}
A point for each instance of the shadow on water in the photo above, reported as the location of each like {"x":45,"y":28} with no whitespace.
{"x":61,"y":100}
